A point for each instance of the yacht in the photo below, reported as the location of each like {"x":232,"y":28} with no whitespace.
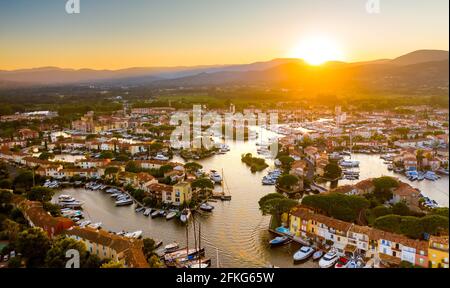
{"x":304,"y":253}
{"x":161,"y":157}
{"x":206,"y":207}
{"x":281,"y":240}
{"x":329,"y":260}
{"x":342,"y":262}
{"x":172,"y":247}
{"x":171,"y":215}
{"x":215,"y":176}
{"x":124,"y":202}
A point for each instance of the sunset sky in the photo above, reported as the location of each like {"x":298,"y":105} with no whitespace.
{"x":112,"y":34}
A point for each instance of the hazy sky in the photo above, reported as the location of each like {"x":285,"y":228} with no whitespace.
{"x":122,"y":33}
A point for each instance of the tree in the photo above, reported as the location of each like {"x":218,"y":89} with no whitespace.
{"x":192,"y":166}
{"x":24,"y":180}
{"x":383,"y":188}
{"x":133,"y":167}
{"x":111,"y":170}
{"x":56,"y":256}
{"x":155,"y":262}
{"x":106,"y":155}
{"x":288,"y":181}
{"x":42,"y":194}
{"x":5,"y":197}
{"x":34,"y":244}
{"x":15,"y":262}
{"x":148,"y":247}
{"x":381,"y":210}
{"x":5,"y":184}
{"x":276,"y":204}
{"x":202,"y":184}
{"x":332,"y":171}
{"x":46,"y":156}
{"x":112,"y":265}
{"x":286,"y":161}
{"x":401,"y":209}
{"x":53,"y":209}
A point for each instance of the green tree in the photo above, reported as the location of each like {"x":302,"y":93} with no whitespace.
{"x":276,"y":204}
{"x":56,"y":256}
{"x":112,"y":265}
{"x":401,"y":209}
{"x":23,"y":180}
{"x":288,"y":181}
{"x":155,"y":262}
{"x":133,"y":167}
{"x":106,"y":155}
{"x":192,"y":166}
{"x":202,"y":184}
{"x":148,"y":247}
{"x":46,"y":156}
{"x":42,"y":194}
{"x":34,"y":244}
{"x":332,"y":171}
{"x":286,"y":161}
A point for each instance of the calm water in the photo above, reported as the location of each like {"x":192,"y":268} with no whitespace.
{"x":236,"y":228}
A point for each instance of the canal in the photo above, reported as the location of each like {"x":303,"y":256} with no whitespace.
{"x":235,"y":231}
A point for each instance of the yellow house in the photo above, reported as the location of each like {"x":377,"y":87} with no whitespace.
{"x":301,"y":224}
{"x":181,"y":193}
{"x":438,"y":252}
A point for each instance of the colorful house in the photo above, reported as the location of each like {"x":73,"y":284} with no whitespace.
{"x":438,"y":252}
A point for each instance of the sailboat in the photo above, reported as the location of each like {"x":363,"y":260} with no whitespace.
{"x":224,"y":196}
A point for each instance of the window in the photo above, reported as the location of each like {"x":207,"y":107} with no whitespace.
{"x":421,"y":260}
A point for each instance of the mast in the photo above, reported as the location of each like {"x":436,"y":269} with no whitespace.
{"x":217,"y":257}
{"x":199,"y":243}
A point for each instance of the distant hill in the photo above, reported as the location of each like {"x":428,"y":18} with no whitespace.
{"x":421,"y":56}
{"x":417,"y":71}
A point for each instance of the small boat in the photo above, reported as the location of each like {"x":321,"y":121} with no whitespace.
{"x":328,"y":260}
{"x":161,"y":157}
{"x":155,"y":214}
{"x":124,"y":202}
{"x":172,"y":247}
{"x":185,"y":215}
{"x":162,"y":213}
{"x":202,"y":263}
{"x":206,"y":207}
{"x":95,"y":225}
{"x":85,"y":223}
{"x":136,"y":234}
{"x":215,"y":177}
{"x":281,"y":240}
{"x":304,"y":253}
{"x":147,"y":212}
{"x":342,"y":262}
{"x":317,"y":255}
{"x":140,"y":209}
{"x":171,"y":215}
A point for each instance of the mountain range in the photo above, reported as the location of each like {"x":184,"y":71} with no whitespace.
{"x":422,"y":69}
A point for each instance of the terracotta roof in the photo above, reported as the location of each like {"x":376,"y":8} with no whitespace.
{"x":405,"y":189}
{"x":439,"y":239}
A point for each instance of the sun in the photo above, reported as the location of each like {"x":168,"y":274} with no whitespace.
{"x":317,"y":50}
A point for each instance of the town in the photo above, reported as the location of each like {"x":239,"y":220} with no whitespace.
{"x":128,"y":155}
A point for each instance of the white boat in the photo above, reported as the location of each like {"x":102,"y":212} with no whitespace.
{"x":85,"y":223}
{"x":169,"y":248}
{"x":136,"y":234}
{"x":171,"y":215}
{"x":215,"y":177}
{"x":185,"y":215}
{"x":349,"y":163}
{"x":328,"y":260}
{"x":161,"y":157}
{"x":198,"y":265}
{"x":147,"y":212}
{"x":95,"y":225}
{"x":124,"y":202}
{"x":206,"y":207}
{"x":304,"y":253}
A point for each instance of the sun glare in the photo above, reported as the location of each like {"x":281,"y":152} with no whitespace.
{"x":317,"y":51}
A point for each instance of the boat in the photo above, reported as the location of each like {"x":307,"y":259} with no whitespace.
{"x":206,"y":207}
{"x":304,"y":253}
{"x":429,"y":175}
{"x":139,"y":209}
{"x":155,"y":214}
{"x":161,"y":157}
{"x":171,"y":215}
{"x":85,"y":223}
{"x":199,"y":263}
{"x":124,"y":202}
{"x":281,"y":240}
{"x":328,"y":260}
{"x":136,"y":234}
{"x":185,"y":215}
{"x":215,"y":177}
{"x":349,"y":163}
{"x":184,"y":254}
{"x":95,"y":225}
{"x":162,"y":213}
{"x":147,"y":212}
{"x":390,"y":167}
{"x":317,"y":255}
{"x":172,"y":247}
{"x":342,"y":262}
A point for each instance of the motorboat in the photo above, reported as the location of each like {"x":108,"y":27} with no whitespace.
{"x":328,"y":260}
{"x":95,"y":225}
{"x":184,"y":254}
{"x":161,"y":157}
{"x":172,"y":247}
{"x":136,"y":234}
{"x":155,"y":214}
{"x":342,"y":262}
{"x":162,"y":213}
{"x":85,"y":223}
{"x":281,"y":240}
{"x":429,"y":175}
{"x":147,"y":212}
{"x":185,"y":215}
{"x":317,"y":255}
{"x":171,"y":215}
{"x":304,"y":253}
{"x":200,"y":263}
{"x":124,"y":202}
{"x":349,"y":163}
{"x":206,"y":207}
{"x":215,"y":176}
{"x":139,"y":209}
{"x":268,"y":181}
